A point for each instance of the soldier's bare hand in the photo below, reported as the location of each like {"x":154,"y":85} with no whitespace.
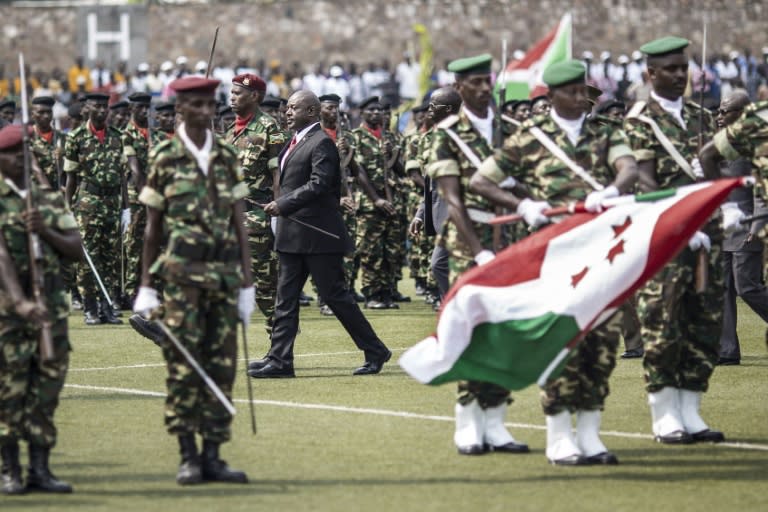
{"x":385,"y":205}
{"x":272,"y":209}
{"x":33,"y":220}
{"x":348,"y":204}
{"x":415,"y":228}
{"x":387,"y":147}
{"x":343,"y":146}
{"x":30,"y":311}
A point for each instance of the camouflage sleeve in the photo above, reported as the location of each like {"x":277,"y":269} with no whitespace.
{"x":63,"y":219}
{"x":618,"y":146}
{"x":505,"y":162}
{"x":443,"y":157}
{"x":240,"y":189}
{"x":128,"y":149}
{"x":412,"y":154}
{"x":642,"y":142}
{"x":747,"y":137}
{"x":276,"y":139}
{"x":151,"y":195}
{"x":72,"y":154}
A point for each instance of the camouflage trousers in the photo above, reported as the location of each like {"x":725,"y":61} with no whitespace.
{"x":263,"y":266}
{"x":380,"y":256}
{"x":583,"y":383}
{"x":681,"y":328}
{"x":133,"y":244}
{"x":205,"y":322}
{"x":100,"y":231}
{"x":29,"y":387}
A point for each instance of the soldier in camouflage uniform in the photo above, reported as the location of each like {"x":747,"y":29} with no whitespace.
{"x":194,"y":193}
{"x":47,"y":142}
{"x":481,"y":407}
{"x":29,"y":386}
{"x":95,"y":168}
{"x":258,"y":140}
{"x":604,"y":153}
{"x":377,"y":214}
{"x":420,"y":247}
{"x":680,"y":326}
{"x":119,"y":115}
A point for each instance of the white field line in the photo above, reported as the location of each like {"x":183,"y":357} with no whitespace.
{"x":396,"y":414}
{"x":162,"y":365}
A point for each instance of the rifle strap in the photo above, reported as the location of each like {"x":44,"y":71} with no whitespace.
{"x":558,"y":153}
{"x":471,"y":155}
{"x":635,"y":113}
{"x":762,"y":114}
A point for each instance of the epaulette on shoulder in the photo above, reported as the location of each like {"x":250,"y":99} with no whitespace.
{"x":160,"y":150}
{"x":448,"y":121}
{"x":759,"y":106}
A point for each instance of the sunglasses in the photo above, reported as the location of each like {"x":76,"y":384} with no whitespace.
{"x":723,"y":112}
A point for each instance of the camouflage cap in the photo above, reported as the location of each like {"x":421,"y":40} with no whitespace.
{"x":665,"y":45}
{"x":477,"y":65}
{"x":564,"y":72}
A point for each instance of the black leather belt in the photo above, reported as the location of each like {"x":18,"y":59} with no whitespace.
{"x":206,"y":253}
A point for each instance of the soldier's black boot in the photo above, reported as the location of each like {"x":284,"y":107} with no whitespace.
{"x":91,"y":311}
{"x":107,"y":313}
{"x":39,"y":477}
{"x":190,"y":472}
{"x":215,"y":469}
{"x":11,"y":469}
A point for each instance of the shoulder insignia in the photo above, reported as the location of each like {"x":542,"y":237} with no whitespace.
{"x":448,"y":121}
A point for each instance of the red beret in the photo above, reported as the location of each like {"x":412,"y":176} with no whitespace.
{"x":194,"y":85}
{"x":11,"y":136}
{"x":250,"y":82}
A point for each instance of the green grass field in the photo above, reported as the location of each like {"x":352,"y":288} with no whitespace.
{"x":328,"y":441}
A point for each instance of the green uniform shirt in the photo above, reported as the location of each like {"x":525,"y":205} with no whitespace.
{"x":45,"y":154}
{"x":371,"y":158}
{"x":202,"y":247}
{"x":748,"y":138}
{"x":547,"y":177}
{"x":100,"y":166}
{"x":57,"y":216}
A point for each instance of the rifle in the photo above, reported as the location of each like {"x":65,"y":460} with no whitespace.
{"x":702,"y":258}
{"x":35,"y":249}
{"x":210,"y":57}
{"x":499,"y":133}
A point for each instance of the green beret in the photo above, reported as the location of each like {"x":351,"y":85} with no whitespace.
{"x":564,"y":72}
{"x":478,"y":65}
{"x":665,"y":45}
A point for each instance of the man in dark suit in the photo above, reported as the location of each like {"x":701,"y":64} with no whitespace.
{"x":312,"y":239}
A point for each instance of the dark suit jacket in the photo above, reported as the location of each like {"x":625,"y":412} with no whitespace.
{"x":745,"y":199}
{"x":310,"y":181}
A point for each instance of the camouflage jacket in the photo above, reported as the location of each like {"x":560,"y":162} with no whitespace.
{"x":646,"y":146}
{"x":371,"y":158}
{"x":524,"y":158}
{"x":348,"y":182}
{"x":748,"y":138}
{"x":45,"y":154}
{"x":56,"y":215}
{"x":257,"y":148}
{"x":446,"y":159}
{"x":100,"y":166}
{"x":202,"y":248}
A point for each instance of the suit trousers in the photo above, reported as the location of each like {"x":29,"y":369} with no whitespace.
{"x":327,"y":272}
{"x":743,"y":276}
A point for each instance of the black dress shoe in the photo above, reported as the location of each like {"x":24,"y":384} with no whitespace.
{"x":374,"y":366}
{"x":216,"y":470}
{"x":633,"y":354}
{"x":676,"y":437}
{"x":511,"y":447}
{"x":359,"y":297}
{"x":260,"y":363}
{"x":272,"y":371}
{"x":603,"y":458}
{"x":473,"y":449}
{"x":708,"y":436}
{"x":728,"y":361}
{"x":571,"y":460}
{"x":375,"y":304}
{"x":392,"y":305}
{"x":399,"y":297}
{"x":147,"y":329}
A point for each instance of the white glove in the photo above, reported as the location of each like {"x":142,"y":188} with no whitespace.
{"x":594,"y":201}
{"x":732,"y":216}
{"x":125,"y":220}
{"x":484,"y":257}
{"x":508,"y":182}
{"x":146,"y":301}
{"x":246,"y":302}
{"x":273,"y":224}
{"x":531,"y":212}
{"x":699,"y":240}
{"x":698,"y":171}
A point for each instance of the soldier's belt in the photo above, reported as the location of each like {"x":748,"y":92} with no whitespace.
{"x":101,"y":191}
{"x":206,"y":253}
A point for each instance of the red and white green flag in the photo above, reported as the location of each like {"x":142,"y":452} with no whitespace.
{"x":513,"y":321}
{"x":523,"y":77}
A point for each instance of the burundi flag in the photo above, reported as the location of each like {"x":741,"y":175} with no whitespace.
{"x":513,"y":321}
{"x":523,"y":77}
